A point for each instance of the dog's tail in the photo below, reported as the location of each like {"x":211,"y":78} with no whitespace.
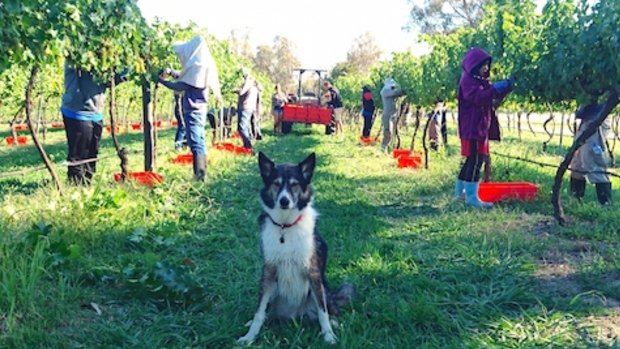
{"x":341,"y":297}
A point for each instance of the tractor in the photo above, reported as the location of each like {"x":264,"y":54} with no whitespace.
{"x":306,"y":107}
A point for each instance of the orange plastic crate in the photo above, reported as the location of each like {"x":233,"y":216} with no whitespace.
{"x":20,"y":127}
{"x":21,"y":140}
{"x":147,"y":178}
{"x":497,"y":191}
{"x":58,"y":124}
{"x":406,"y":161}
{"x":368,"y":140}
{"x":183,"y":159}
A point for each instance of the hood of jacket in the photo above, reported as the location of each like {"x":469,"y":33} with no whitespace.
{"x":198,"y":66}
{"x":473,"y":60}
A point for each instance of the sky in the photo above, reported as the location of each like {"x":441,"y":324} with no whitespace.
{"x":322,"y":31}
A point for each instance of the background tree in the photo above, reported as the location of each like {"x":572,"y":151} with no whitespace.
{"x":277,"y":62}
{"x":285,"y":62}
{"x":364,"y":53}
{"x":240,"y":43}
{"x":444,"y":16}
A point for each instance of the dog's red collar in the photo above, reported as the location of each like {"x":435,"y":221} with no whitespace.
{"x":284,"y":226}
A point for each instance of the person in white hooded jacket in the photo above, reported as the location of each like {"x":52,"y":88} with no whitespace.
{"x":197,"y":77}
{"x":389,"y":93}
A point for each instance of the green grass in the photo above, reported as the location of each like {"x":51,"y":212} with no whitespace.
{"x":123,"y":266}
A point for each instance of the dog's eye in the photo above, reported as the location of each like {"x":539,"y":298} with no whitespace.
{"x":294,"y":185}
{"x":276,"y":185}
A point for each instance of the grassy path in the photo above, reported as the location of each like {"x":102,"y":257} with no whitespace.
{"x":122,"y":266}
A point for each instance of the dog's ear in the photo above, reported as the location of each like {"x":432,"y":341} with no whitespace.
{"x":307,"y":166}
{"x":265,"y":165}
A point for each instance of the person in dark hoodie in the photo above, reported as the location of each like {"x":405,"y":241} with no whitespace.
{"x":82,"y":114}
{"x":368,"y":109}
{"x":198,"y":76}
{"x":476,"y":116}
{"x":247,"y":103}
{"x":591,"y":157}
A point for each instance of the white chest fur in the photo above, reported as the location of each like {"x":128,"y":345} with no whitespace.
{"x":292,"y":257}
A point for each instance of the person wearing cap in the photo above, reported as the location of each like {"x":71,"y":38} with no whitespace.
{"x":389,"y":93}
{"x":477,"y":121}
{"x":368,"y":110}
{"x":591,"y":160}
{"x":334,"y":101}
{"x":197,"y":77}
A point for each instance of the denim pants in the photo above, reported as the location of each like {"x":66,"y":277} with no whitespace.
{"x":195,"y":127}
{"x":243,"y":126}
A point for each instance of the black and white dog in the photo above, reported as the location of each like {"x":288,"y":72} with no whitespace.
{"x":293,"y":281}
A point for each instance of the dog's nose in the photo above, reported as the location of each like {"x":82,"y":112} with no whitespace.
{"x":284,"y":202}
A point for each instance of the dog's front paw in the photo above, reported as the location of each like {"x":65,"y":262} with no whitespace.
{"x":245,"y":340}
{"x":330,"y":337}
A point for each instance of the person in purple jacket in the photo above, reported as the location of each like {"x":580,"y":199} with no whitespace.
{"x":476,"y":98}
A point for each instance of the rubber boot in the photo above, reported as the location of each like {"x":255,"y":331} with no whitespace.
{"x":458,"y":189}
{"x":200,"y":167}
{"x":578,"y":187}
{"x":471,"y":196}
{"x":603,"y":193}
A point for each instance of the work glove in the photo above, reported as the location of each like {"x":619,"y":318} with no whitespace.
{"x":502,"y":86}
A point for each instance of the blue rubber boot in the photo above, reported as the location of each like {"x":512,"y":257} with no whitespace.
{"x":471,"y":196}
{"x":459,"y":189}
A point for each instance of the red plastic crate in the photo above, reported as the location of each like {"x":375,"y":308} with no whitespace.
{"x":136,"y":126}
{"x":157,"y":123}
{"x":109,"y":129}
{"x":224,"y":146}
{"x":58,"y":124}
{"x":325,"y":116}
{"x":397,"y":153}
{"x":20,"y":127}
{"x":242,"y":151}
{"x":414,"y":161}
{"x":288,"y":114}
{"x":147,"y":178}
{"x":183,"y":159}
{"x":313,"y":115}
{"x":368,"y":140}
{"x":173,"y":123}
{"x":497,"y":191}
{"x":21,"y":140}
{"x":301,"y":114}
